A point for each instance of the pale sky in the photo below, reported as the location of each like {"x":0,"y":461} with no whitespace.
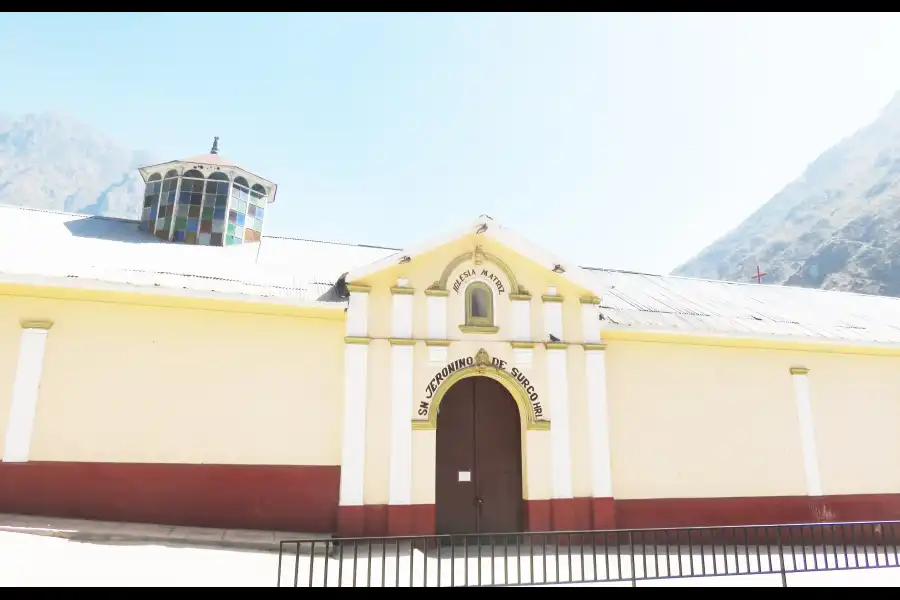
{"x":616,"y":140}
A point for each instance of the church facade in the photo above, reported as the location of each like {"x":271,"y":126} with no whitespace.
{"x":187,"y":369}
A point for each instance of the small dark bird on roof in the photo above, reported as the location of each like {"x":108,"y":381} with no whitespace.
{"x":553,"y":338}
{"x":405,"y":260}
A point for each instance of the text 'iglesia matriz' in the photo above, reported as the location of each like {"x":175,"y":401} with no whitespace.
{"x":205,"y":200}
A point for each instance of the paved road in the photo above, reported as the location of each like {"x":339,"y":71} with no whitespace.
{"x":31,"y":560}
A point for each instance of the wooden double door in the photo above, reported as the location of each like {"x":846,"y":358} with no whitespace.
{"x":478,"y":478}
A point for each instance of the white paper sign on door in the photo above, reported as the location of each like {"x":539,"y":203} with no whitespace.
{"x":465,"y":476}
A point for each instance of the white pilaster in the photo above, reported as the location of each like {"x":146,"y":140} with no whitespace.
{"x":20,"y":425}
{"x":520,"y":316}
{"x":800,"y":377}
{"x":358,"y":314}
{"x":590,"y":320}
{"x":598,"y":422}
{"x":560,"y":437}
{"x":598,"y":407}
{"x":553,"y":314}
{"x":402,"y":354}
{"x":436,"y":301}
{"x":523,"y":357}
{"x":402,"y":322}
{"x":558,"y":393}
{"x":401,"y":430}
{"x":356,"y":360}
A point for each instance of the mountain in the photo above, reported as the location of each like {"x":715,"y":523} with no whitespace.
{"x":836,"y":227}
{"x":52,"y":161}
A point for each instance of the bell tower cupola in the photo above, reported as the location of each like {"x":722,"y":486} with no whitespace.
{"x":205,"y":200}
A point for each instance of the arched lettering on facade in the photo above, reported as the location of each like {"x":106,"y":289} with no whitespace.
{"x":513,"y":379}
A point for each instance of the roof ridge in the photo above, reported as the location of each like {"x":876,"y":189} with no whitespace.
{"x":335,"y":243}
{"x":376,"y":247}
{"x":623,"y":271}
{"x":68,"y":213}
{"x":137,"y":221}
{"x":744,"y":283}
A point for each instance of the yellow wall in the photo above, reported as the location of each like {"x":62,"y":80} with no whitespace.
{"x":10,"y":330}
{"x":692,"y":421}
{"x":139,"y":383}
{"x":856,"y":415}
{"x":130,"y":383}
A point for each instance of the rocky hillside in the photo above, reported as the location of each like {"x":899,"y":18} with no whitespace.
{"x":836,"y":227}
{"x":51,"y":161}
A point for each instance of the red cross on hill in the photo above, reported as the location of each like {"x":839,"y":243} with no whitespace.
{"x":758,"y":275}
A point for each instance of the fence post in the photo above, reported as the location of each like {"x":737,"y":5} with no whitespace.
{"x":633,"y":572}
{"x":781,"y":560}
{"x":280,"y":555}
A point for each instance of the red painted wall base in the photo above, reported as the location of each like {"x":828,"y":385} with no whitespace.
{"x":281,"y":498}
{"x":581,"y":514}
{"x":381,"y":520}
{"x":689,"y":512}
{"x":571,"y":514}
{"x":305,"y":499}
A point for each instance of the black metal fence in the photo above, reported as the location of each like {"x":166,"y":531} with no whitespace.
{"x":587,"y":557}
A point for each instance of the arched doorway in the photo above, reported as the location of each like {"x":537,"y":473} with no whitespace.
{"x":478,"y":475}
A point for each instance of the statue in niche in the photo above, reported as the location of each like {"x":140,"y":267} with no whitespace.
{"x":477,"y":255}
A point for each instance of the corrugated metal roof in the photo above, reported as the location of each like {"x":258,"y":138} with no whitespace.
{"x":48,"y":243}
{"x":56,"y":244}
{"x":659,"y":302}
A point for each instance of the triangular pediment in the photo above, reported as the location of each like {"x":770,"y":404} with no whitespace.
{"x":483,"y":240}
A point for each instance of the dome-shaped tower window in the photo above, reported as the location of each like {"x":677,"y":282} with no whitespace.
{"x":215,"y":206}
{"x":166,"y":204}
{"x":479,"y":305}
{"x":205,"y":200}
{"x":151,"y":202}
{"x":237,"y":211}
{"x":256,"y":209}
{"x":187,"y":213}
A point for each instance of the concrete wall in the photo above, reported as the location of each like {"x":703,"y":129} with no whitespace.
{"x":124,"y":383}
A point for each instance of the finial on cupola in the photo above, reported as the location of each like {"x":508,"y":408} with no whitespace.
{"x":215,"y":146}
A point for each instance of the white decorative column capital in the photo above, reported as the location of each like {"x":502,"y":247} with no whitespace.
{"x":553,"y":314}
{"x":520,"y":316}
{"x":590,"y":320}
{"x":358,"y":311}
{"x":402,"y":309}
{"x":436,"y":301}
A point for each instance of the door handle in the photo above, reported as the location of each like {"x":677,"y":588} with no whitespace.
{"x":479,"y":501}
